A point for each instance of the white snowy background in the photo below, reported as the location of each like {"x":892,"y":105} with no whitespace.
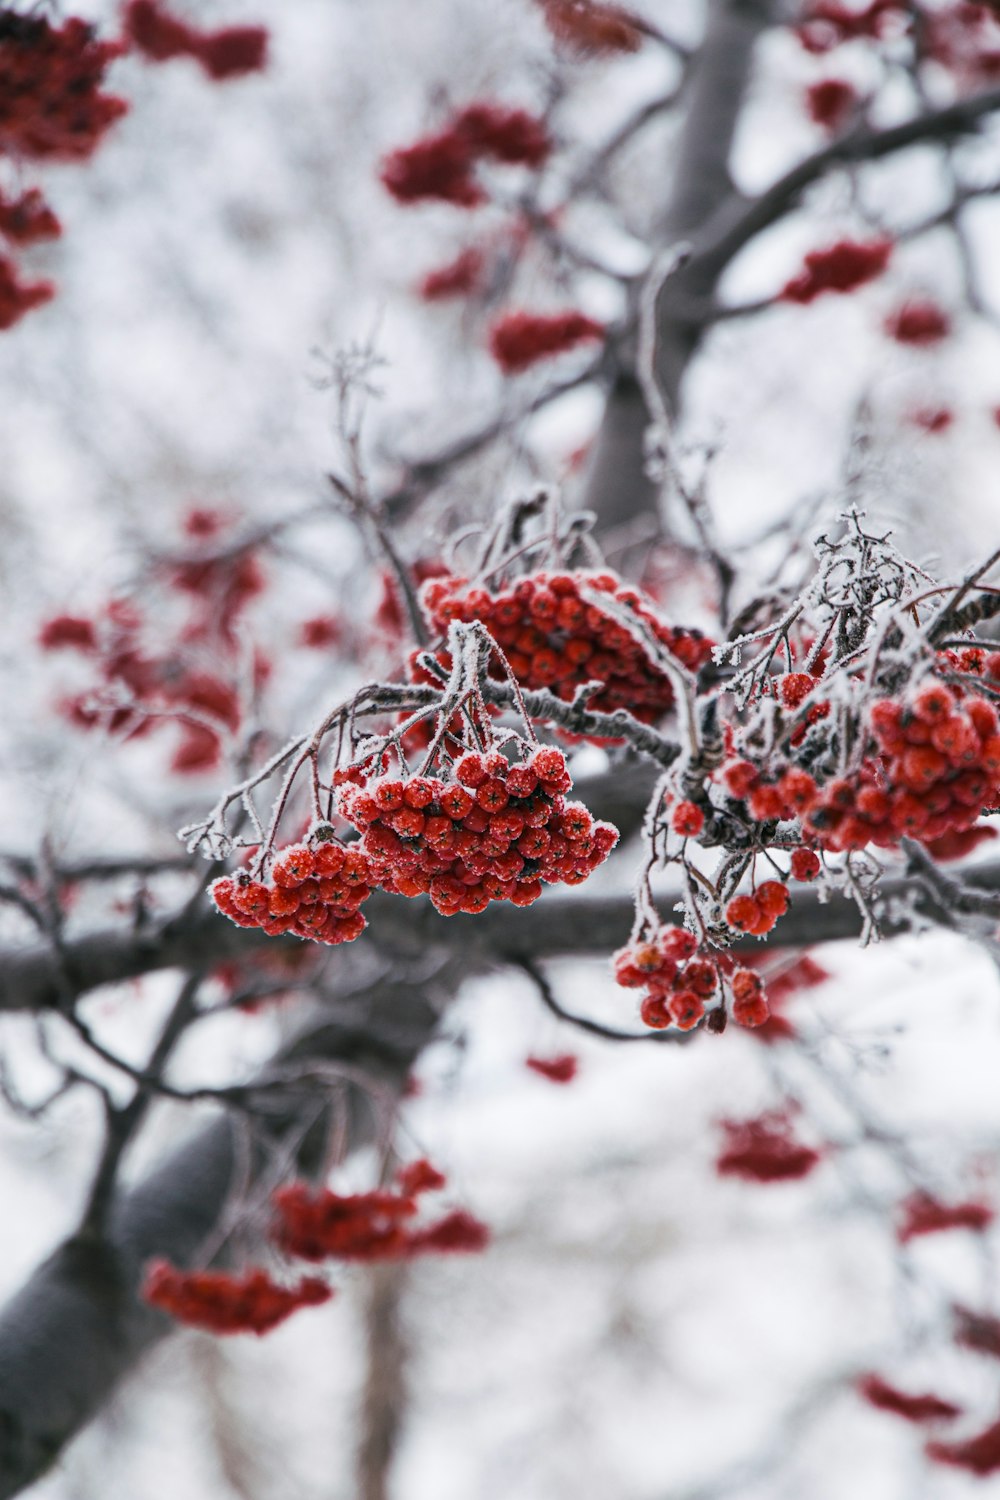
{"x":640,"y":1329}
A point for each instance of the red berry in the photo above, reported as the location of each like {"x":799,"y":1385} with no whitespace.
{"x":751,"y":1012}
{"x":293,"y":865}
{"x":686,"y":1009}
{"x":805,"y":864}
{"x":655,"y":1012}
{"x":687,"y":820}
{"x":740,"y":778}
{"x":456,"y":802}
{"x":772,"y":897}
{"x":743,"y":913}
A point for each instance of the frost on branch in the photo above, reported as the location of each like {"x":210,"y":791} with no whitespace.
{"x":857,"y":717}
{"x":862,"y":715}
{"x":447,"y":804}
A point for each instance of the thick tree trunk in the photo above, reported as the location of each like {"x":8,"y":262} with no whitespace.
{"x":78,"y":1326}
{"x":618,"y":490}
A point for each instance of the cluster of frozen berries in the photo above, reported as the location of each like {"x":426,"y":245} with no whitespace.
{"x":315,"y":1224}
{"x":679,"y":981}
{"x":591,"y":29}
{"x":51,"y":104}
{"x":842,"y":267}
{"x":758,"y":912}
{"x":28,"y":219}
{"x":496,"y":831}
{"x":443,"y":166}
{"x":934,"y":767}
{"x":314,"y":892}
{"x":221,"y":1302}
{"x":764,"y":1149}
{"x":18,"y":296}
{"x":554,"y":638}
{"x":228,"y":52}
{"x":520,"y":339}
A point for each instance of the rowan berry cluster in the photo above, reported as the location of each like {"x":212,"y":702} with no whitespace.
{"x":591,"y":29}
{"x":443,"y":166}
{"x":224,"y":1303}
{"x":18,"y":297}
{"x":554,"y":637}
{"x":315,"y":1224}
{"x":521,"y":339}
{"x":28,"y":219}
{"x":561,"y":1069}
{"x":930,"y":767}
{"x":919,"y":323}
{"x":937,"y":769}
{"x":494,"y":831}
{"x":764,"y":1150}
{"x":922,"y":1214}
{"x":843,"y":267}
{"x":681,"y":982}
{"x":979,"y":1455}
{"x":757,"y":913}
{"x":924,"y":1408}
{"x":314,"y":892}
{"x":51,"y":104}
{"x":228,"y":52}
{"x":456,"y":279}
{"x":830,"y":101}
{"x":964,"y":37}
{"x":137,"y":691}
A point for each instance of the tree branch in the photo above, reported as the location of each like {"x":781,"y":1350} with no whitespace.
{"x":78,"y":1326}
{"x":736,"y":222}
{"x":556,"y":926}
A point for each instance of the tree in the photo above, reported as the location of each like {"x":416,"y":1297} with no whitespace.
{"x":779,"y":711}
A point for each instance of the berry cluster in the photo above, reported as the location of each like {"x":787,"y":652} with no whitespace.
{"x":51,"y":104}
{"x":442,"y":166}
{"x":227,"y":53}
{"x":843,"y":267}
{"x":136,"y":691}
{"x":758,"y":912}
{"x":224,"y":1303}
{"x":936,"y":769}
{"x":924,"y":1408}
{"x":678,"y":981}
{"x":931,"y":767}
{"x":964,"y":37}
{"x":316,"y":1224}
{"x":830,"y":102}
{"x":764,"y":1150}
{"x":495,"y":832}
{"x":561,"y":1069}
{"x":979,"y":1455}
{"x":521,"y":339}
{"x":18,"y":297}
{"x":918,"y":323}
{"x":28,"y":219}
{"x":933,"y":419}
{"x":553,"y":638}
{"x":315,"y":892}
{"x":590,"y":28}
{"x":922,"y":1214}
{"x":456,"y":279}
